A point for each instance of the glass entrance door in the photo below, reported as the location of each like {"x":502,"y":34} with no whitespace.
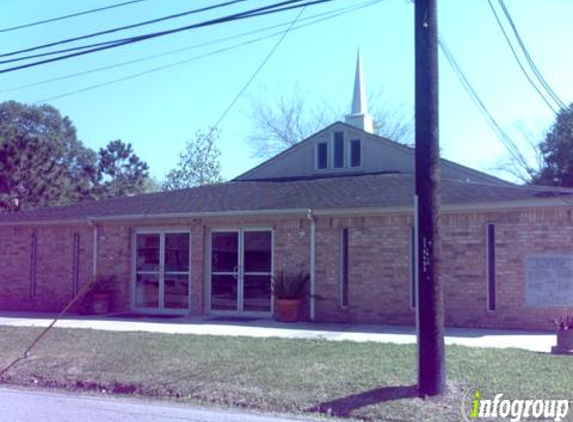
{"x":257,"y":271}
{"x":162,"y":272}
{"x":225,"y":271}
{"x":241,"y":270}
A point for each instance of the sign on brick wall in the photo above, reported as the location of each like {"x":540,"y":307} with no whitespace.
{"x":549,"y":280}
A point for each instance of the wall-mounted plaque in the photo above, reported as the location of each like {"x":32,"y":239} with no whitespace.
{"x":548,"y":280}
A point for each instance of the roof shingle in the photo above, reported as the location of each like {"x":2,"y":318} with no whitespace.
{"x":373,"y":190}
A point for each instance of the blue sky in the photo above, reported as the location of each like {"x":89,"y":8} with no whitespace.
{"x":159,"y":111}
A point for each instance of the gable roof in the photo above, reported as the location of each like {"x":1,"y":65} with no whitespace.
{"x":449,"y":168}
{"x":348,"y":192}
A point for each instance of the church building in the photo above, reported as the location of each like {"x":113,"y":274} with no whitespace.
{"x":338,"y":205}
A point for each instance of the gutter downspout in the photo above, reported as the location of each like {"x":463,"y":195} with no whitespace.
{"x":312,"y":220}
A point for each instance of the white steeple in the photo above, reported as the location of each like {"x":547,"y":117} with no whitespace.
{"x":359,"y":116}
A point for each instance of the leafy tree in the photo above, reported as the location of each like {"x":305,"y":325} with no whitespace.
{"x":41,"y":160}
{"x":280,"y":121}
{"x":198,"y":164}
{"x":120,"y":172}
{"x":557,"y":152}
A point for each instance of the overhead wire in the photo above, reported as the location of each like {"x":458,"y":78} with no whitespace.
{"x":238,"y":16}
{"x":73,"y":15}
{"x":314,"y":19}
{"x":330,"y":15}
{"x":502,"y":136}
{"x":108,"y":31}
{"x":532,"y":64}
{"x":259,"y":68}
{"x":179,"y":50}
{"x":518,"y":60}
{"x":105,"y":43}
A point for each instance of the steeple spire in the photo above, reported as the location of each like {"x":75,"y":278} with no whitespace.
{"x":359,"y":116}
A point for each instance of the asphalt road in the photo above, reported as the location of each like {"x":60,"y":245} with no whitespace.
{"x":34,"y":406}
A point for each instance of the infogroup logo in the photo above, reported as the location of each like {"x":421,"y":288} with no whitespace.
{"x":475,"y":407}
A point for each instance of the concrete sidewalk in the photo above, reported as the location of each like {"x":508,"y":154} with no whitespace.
{"x":219,"y":326}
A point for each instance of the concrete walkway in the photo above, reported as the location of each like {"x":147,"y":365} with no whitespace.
{"x":219,"y":326}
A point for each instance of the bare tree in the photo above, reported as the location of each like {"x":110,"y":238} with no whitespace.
{"x":526,"y":166}
{"x":280,"y":121}
{"x":390,"y":120}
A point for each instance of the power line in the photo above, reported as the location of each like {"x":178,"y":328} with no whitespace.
{"x":518,"y":60}
{"x":313,"y":20}
{"x":529,"y":59}
{"x":239,"y":16}
{"x":152,"y":70}
{"x":68,"y":50}
{"x":331,"y":15}
{"x":73,"y":15}
{"x":263,"y":63}
{"x":109,"y":31}
{"x":502,"y":136}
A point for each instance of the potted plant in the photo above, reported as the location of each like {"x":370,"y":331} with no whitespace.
{"x":564,"y":336}
{"x":99,"y":297}
{"x":289,"y":291}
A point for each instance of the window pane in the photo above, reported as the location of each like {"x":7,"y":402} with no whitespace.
{"x":176,"y":291}
{"x":257,"y":293}
{"x":177,"y":252}
{"x":147,"y":252}
{"x":344,"y":268}
{"x":224,"y":293}
{"x":355,"y":158}
{"x":33,"y":264}
{"x":147,"y":291}
{"x":322,"y":155}
{"x":76,"y":265}
{"x":338,"y":149}
{"x":491,"y":267}
{"x":258,"y":246}
{"x":224,"y":251}
{"x":413,"y":266}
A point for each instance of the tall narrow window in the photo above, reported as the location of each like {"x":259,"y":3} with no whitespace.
{"x":338,"y":148}
{"x":355,"y":153}
{"x":76,"y":265}
{"x":344,"y":267}
{"x":491,"y":288}
{"x":413,"y":265}
{"x":322,"y":155}
{"x":33,"y":264}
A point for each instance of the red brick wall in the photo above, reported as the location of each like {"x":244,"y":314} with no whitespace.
{"x":53,"y":265}
{"x":379,"y":263}
{"x":463,"y":265}
{"x":379,"y":274}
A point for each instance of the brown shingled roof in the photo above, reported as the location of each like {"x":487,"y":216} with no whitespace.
{"x":374,"y":190}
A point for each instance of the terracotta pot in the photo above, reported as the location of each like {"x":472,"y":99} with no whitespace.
{"x":288,"y":310}
{"x":101,"y":303}
{"x":565,"y":339}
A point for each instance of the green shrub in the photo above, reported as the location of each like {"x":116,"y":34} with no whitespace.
{"x":290,"y":286}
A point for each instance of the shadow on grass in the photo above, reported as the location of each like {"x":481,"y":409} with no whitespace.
{"x":343,"y":406}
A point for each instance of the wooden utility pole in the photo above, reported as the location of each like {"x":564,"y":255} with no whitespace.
{"x":431,"y":362}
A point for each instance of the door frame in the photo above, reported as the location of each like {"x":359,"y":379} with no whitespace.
{"x":240,"y":230}
{"x":161,"y":310}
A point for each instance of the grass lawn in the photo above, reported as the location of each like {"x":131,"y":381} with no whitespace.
{"x":369,"y":381}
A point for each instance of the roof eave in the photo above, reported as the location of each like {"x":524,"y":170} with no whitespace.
{"x":518,"y":204}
